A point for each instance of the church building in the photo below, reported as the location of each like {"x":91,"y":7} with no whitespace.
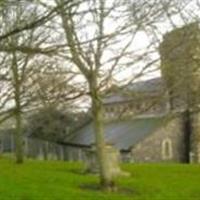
{"x":157,"y":120}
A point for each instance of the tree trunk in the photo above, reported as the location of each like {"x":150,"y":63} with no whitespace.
{"x":18,"y":138}
{"x":187,"y":132}
{"x":18,"y":117}
{"x":106,"y":179}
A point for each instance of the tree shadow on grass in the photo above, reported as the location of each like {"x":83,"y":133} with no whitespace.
{"x":121,"y":190}
{"x":79,"y":172}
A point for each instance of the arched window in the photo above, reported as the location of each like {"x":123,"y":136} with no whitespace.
{"x":167,"y":152}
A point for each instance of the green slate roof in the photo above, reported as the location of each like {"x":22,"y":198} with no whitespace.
{"x":122,"y":134}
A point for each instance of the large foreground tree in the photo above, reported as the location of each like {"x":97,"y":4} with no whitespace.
{"x":100,"y":37}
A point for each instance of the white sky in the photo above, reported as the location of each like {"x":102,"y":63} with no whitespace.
{"x":141,"y":41}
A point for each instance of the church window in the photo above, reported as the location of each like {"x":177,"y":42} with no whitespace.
{"x":167,"y":149}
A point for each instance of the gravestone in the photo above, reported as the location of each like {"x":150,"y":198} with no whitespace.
{"x":91,"y":160}
{"x":113,"y":161}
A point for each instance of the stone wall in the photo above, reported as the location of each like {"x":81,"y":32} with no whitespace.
{"x":170,"y":137}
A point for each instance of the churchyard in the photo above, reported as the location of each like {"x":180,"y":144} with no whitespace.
{"x":58,"y":180}
{"x":99,"y":100}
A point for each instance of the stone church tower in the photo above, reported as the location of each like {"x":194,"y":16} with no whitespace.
{"x":180,"y":66}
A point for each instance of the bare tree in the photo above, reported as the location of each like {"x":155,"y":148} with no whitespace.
{"x":100,"y":38}
{"x":25,"y":75}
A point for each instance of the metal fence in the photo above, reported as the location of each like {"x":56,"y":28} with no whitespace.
{"x":43,"y":150}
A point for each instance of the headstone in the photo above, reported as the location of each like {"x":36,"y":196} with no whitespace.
{"x":113,"y":161}
{"x":40,"y":155}
{"x":91,"y":161}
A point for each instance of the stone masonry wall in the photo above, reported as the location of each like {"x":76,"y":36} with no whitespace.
{"x":151,"y":148}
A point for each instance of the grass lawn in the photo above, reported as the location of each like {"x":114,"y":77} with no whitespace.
{"x":39,"y":180}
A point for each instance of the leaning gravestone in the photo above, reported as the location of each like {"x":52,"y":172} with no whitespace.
{"x":113,"y":160}
{"x":90,"y":161}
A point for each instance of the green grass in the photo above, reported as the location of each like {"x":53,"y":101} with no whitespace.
{"x":39,"y":180}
